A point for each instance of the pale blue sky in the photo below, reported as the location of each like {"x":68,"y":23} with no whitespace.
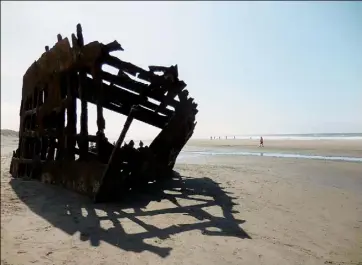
{"x":253,"y":67}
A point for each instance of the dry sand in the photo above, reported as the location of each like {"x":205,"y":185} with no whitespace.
{"x":233,"y":210}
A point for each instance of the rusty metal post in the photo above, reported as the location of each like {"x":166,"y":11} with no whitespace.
{"x":84,"y":143}
{"x":71,"y":115}
{"x":101,"y":124}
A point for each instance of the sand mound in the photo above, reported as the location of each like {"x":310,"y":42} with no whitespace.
{"x":9,"y":133}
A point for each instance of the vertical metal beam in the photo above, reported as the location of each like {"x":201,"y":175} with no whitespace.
{"x":72,"y":82}
{"x":84,"y":143}
{"x":101,"y":124}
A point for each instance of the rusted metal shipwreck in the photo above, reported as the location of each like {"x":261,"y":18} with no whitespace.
{"x":50,"y":150}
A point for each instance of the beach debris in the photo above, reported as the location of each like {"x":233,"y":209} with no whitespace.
{"x":50,"y":150}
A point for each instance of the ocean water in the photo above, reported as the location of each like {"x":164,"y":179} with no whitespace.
{"x":311,"y":136}
{"x":201,"y":153}
{"x":190,"y":156}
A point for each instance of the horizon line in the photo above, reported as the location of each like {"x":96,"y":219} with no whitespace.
{"x":250,"y":135}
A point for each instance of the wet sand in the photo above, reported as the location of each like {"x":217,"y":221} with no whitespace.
{"x":351,"y":148}
{"x":227,"y":210}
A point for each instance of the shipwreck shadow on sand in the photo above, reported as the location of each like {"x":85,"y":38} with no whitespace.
{"x":65,"y":210}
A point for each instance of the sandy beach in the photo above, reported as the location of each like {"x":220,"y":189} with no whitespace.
{"x":231,"y":210}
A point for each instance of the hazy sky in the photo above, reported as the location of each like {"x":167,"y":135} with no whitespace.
{"x":253,"y":67}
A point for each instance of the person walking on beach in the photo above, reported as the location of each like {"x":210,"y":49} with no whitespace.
{"x":261,"y":142}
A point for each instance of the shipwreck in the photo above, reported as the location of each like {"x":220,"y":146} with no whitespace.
{"x":50,"y":149}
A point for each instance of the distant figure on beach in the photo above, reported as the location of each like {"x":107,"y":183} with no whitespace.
{"x":261,"y":142}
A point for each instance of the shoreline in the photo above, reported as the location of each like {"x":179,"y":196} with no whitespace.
{"x":189,"y":156}
{"x":325,"y":148}
{"x":342,"y":148}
